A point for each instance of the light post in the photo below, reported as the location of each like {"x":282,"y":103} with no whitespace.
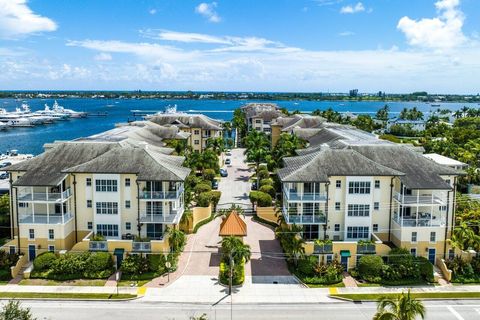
{"x":168,"y":265}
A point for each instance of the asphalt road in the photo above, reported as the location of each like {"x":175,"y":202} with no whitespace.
{"x":137,"y":309}
{"x":235,"y":188}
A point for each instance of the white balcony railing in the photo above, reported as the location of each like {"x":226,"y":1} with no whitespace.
{"x":424,"y":220}
{"x":172,"y":217}
{"x":161,"y":195}
{"x":26,"y":196}
{"x":418,"y":199}
{"x":141,"y":246}
{"x":292,"y":195}
{"x":98,"y":245}
{"x":303,"y":217}
{"x":43,"y":218}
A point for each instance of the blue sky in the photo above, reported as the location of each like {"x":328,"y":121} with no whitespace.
{"x":242,"y":45}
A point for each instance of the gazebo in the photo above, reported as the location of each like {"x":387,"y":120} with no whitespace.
{"x":233,"y":225}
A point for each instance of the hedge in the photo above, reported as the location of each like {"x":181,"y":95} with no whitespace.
{"x":426,"y":269}
{"x":208,"y":174}
{"x":238,"y":273}
{"x":268,"y":190}
{"x":370,"y":267}
{"x":262,"y":199}
{"x":266,"y":182}
{"x":44,"y":261}
{"x":263,"y":174}
{"x":203,"y":222}
{"x":202,"y":187}
{"x":203,"y":199}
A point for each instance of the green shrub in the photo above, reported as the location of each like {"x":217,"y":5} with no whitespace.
{"x":425,"y":268}
{"x":238,"y":273}
{"x":266,"y":182}
{"x":44,"y":261}
{"x":202,"y":187}
{"x":262,"y":199}
{"x":306,"y":267}
{"x":203,"y":199}
{"x":134,"y":264}
{"x":262,"y":167}
{"x":214,"y":196}
{"x":268,"y":189}
{"x":370,"y":267}
{"x":208,"y":174}
{"x":156,"y":263}
{"x":98,"y":262}
{"x":5,"y":274}
{"x":203,"y":222}
{"x":263,"y":174}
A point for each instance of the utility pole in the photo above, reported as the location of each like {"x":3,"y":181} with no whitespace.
{"x":231,"y":285}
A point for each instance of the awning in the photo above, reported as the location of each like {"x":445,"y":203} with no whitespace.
{"x":118,"y":251}
{"x":345,"y":253}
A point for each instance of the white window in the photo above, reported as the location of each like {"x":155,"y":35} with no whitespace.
{"x":51,"y":234}
{"x":89,"y":203}
{"x":127,"y":182}
{"x":359,"y":187}
{"x":338,"y":184}
{"x":196,"y":131}
{"x":31,"y":234}
{"x":258,"y":121}
{"x":128,"y":226}
{"x":413,"y":251}
{"x":337,"y":206}
{"x":107,"y":230}
{"x":107,"y":208}
{"x":358,"y":232}
{"x":51,"y":248}
{"x":89,"y":225}
{"x":377,"y":184}
{"x":358,"y":210}
{"x":433,"y":236}
{"x":196,"y":142}
{"x":376,"y":206}
{"x":442,"y":208}
{"x":414,"y":237}
{"x":375,"y":227}
{"x":23,"y":204}
{"x":103,"y":185}
{"x":127,"y":204}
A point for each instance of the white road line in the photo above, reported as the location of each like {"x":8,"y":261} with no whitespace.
{"x":455,"y":313}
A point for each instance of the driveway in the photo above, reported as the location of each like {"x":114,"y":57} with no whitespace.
{"x":235,"y":188}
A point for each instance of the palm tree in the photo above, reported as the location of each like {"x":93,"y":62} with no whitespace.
{"x":404,"y":307}
{"x":257,"y":155}
{"x":216,"y":144}
{"x":176,"y":239}
{"x":297,"y":249}
{"x":233,"y":247}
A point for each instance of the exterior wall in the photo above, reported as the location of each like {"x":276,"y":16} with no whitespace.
{"x":199,"y":214}
{"x":276,"y":132}
{"x":267,"y":213}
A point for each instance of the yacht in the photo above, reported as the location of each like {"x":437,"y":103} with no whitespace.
{"x":19,"y":122}
{"x":3,"y":126}
{"x":50,"y":113}
{"x":74,"y":114}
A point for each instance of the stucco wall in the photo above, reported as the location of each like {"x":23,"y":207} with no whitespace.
{"x":18,"y":266}
{"x":267,"y":213}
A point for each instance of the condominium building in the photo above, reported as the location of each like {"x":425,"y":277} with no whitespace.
{"x":125,"y":193}
{"x":199,"y":126}
{"x":292,"y":124}
{"x":259,"y":116}
{"x":351,"y":190}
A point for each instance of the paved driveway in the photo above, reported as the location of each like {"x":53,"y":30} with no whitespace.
{"x":235,"y":188}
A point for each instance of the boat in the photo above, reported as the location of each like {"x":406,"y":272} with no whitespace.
{"x":73,"y":114}
{"x":48,"y":112}
{"x":3,"y":126}
{"x":435,"y":105}
{"x":20,"y":122}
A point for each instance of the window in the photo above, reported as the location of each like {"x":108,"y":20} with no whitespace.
{"x":358,"y":210}
{"x":51,"y":234}
{"x":107,"y":208}
{"x":196,"y":142}
{"x":451,"y":254}
{"x":433,"y":236}
{"x":103,"y":185}
{"x":89,"y":225}
{"x":196,"y":131}
{"x":31,"y":234}
{"x":127,"y":204}
{"x":338,"y":184}
{"x":376,"y":206}
{"x":310,"y":232}
{"x":448,"y":181}
{"x":258,"y":120}
{"x":337,"y":206}
{"x":127,"y":182}
{"x":329,"y":258}
{"x":375,"y":227}
{"x":442,"y":208}
{"x":155,"y":231}
{"x":128,"y":226}
{"x":414,"y":237}
{"x":51,"y":248}
{"x":23,"y":205}
{"x":89,"y":203}
{"x":337,"y":227}
{"x":413,"y":251}
{"x":359,"y":187}
{"x":377,"y":184}
{"x":107,"y":230}
{"x":358,"y":232}
{"x":12,"y":249}
{"x":88,"y":182}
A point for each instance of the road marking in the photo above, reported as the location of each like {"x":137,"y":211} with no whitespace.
{"x":477,"y":310}
{"x":455,"y":313}
{"x":141,"y":291}
{"x":333,"y":290}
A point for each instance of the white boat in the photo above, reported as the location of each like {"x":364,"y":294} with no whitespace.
{"x":72,"y":113}
{"x":50,"y":113}
{"x":20,"y":122}
{"x":3,"y":126}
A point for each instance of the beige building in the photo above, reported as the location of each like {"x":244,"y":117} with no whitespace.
{"x":389,"y":194}
{"x":93,"y":195}
{"x":259,"y":116}
{"x":199,"y":127}
{"x":294,"y":123}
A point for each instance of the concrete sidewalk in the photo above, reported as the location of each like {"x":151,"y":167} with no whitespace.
{"x":68,"y":289}
{"x":432,"y":288}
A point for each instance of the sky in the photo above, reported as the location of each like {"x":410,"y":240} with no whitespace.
{"x":397,"y":46}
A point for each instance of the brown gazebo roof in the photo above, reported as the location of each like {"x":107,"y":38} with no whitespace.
{"x":233,"y":225}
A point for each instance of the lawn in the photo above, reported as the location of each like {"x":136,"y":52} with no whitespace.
{"x":335,"y":285}
{"x":418,"y":295}
{"x":79,"y":282}
{"x":132,"y":283}
{"x":42,"y":295}
{"x":367,"y":284}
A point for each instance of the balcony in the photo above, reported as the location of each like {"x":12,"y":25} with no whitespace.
{"x":305,"y":217}
{"x":368,"y":248}
{"x":292,"y":195}
{"x":44,"y":218}
{"x":141,"y":246}
{"x":25,"y":196}
{"x":172,"y":218}
{"x":423,"y":220}
{"x":161,"y":195}
{"x":322,"y":248}
{"x":413,"y":200}
{"x":98,"y":245}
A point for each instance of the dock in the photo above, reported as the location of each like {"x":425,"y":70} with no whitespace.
{"x":142,"y":113}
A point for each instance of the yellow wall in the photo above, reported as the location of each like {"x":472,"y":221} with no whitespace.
{"x":276,"y":132}
{"x":199,"y":214}
{"x":267,"y":213}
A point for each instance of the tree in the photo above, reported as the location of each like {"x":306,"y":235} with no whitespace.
{"x":286,"y":146}
{"x":234,"y":247}
{"x":216,"y":144}
{"x":13,"y":311}
{"x":176,"y":239}
{"x":365,"y":123}
{"x":403,"y":307}
{"x":382,"y":113}
{"x":180,"y":146}
{"x":239,"y":122}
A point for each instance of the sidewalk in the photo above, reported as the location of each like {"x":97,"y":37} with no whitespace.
{"x":67,"y":289}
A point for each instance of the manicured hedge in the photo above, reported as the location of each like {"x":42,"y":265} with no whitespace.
{"x":44,"y":261}
{"x":203,"y":199}
{"x":202,"y":187}
{"x":203,"y":222}
{"x":262,"y":199}
{"x":263,"y":174}
{"x":270,"y":190}
{"x":238,"y":273}
{"x":370,"y":267}
{"x":266,"y":182}
{"x":139,"y":267}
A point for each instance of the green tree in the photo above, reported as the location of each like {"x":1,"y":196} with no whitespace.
{"x":382,"y":113}
{"x":14,"y":311}
{"x":239,"y":123}
{"x":4,"y":204}
{"x":286,"y":146}
{"x":216,"y":144}
{"x":176,"y":239}
{"x":234,"y":247}
{"x":403,"y":307}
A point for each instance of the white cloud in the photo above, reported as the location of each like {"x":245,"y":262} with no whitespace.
{"x":102,"y":56}
{"x":17,"y":20}
{"x":441,"y":32}
{"x":346,"y":33}
{"x":187,"y":37}
{"x":152,"y":11}
{"x":208,"y":11}
{"x":359,"y":7}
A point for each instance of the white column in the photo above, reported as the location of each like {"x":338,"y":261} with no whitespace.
{"x":61,"y":211}
{"x":46,"y":193}
{"x":33,"y":212}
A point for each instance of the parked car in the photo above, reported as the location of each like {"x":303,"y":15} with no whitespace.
{"x":214,"y":184}
{"x":223,"y":173}
{"x":229,"y":154}
{"x":254,"y":185}
{"x":228,"y":161}
{"x":5,"y":164}
{"x":3,"y":175}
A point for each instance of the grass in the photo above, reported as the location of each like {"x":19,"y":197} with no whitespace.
{"x":335,"y":285}
{"x":418,"y":295}
{"x":363,"y":285}
{"x":79,"y":282}
{"x":43,"y":295}
{"x":203,"y":222}
{"x":132,"y":283}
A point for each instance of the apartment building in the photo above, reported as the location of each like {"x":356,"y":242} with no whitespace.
{"x":128,"y":194}
{"x":199,"y":126}
{"x":351,"y":190}
{"x":259,"y":116}
{"x":291,"y":124}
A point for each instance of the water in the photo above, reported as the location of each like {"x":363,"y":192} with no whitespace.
{"x":31,"y":140}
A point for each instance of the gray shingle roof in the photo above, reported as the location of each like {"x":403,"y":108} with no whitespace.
{"x":325,"y":162}
{"x":186,"y":120}
{"x":147,"y":164}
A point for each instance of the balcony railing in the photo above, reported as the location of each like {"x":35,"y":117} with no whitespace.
{"x":366,"y":248}
{"x":141,"y":246}
{"x":420,"y":222}
{"x":44,"y":196}
{"x":161,"y":195}
{"x":98,"y":245}
{"x":418,"y":199}
{"x":305,"y":217}
{"x":322,"y":248}
{"x":306,"y":196}
{"x":43,"y":218}
{"x":171,"y":218}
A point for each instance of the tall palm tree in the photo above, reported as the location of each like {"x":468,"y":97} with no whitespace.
{"x":403,"y":307}
{"x":176,"y":239}
{"x":216,"y":144}
{"x":235,"y":248}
